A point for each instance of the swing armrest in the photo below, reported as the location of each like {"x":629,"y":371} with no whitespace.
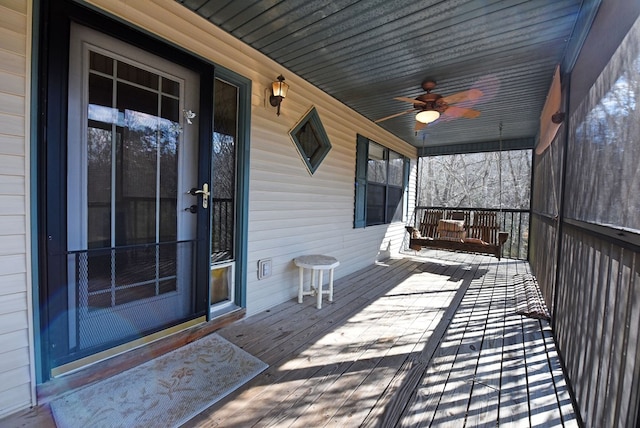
{"x":413,"y":232}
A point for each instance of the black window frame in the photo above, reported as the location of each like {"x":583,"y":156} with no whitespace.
{"x":369,"y":210}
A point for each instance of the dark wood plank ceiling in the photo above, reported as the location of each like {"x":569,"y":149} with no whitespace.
{"x":364,"y":53}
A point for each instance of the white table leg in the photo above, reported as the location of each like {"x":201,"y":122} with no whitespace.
{"x":300,"y":284}
{"x":331,"y":285}
{"x":319,"y":291}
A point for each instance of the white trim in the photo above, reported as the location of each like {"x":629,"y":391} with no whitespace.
{"x":28,"y":217}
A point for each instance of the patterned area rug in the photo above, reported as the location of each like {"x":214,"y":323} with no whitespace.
{"x":167,"y":391}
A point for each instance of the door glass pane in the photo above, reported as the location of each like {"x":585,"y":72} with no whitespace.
{"x":223,"y":188}
{"x":223,"y":192}
{"x":132,"y":169}
{"x":137,"y":75}
{"x":136,"y":181}
{"x":99,"y":185}
{"x":100,"y":63}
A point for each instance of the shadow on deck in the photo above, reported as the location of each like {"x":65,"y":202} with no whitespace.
{"x":430,"y":341}
{"x":420,"y":341}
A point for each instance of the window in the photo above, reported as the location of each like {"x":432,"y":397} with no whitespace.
{"x":381,"y":179}
{"x":223,"y":154}
{"x":311,"y":140}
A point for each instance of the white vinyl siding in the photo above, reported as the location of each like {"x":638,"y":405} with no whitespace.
{"x":291,"y":212}
{"x":16,"y":370}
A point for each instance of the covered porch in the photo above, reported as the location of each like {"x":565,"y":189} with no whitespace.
{"x":430,"y":339}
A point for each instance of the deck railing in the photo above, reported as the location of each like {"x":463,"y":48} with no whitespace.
{"x":512,"y":220}
{"x":222,"y":229}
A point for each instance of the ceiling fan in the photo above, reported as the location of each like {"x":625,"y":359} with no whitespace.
{"x":430,"y":106}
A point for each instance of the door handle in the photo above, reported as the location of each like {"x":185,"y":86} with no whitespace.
{"x":204,"y":192}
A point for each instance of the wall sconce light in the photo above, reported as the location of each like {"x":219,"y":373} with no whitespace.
{"x":278,"y":92}
{"x":427,"y":116}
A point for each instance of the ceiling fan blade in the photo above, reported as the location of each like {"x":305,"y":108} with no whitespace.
{"x":454,"y":111}
{"x":470,"y":95}
{"x":393,"y":115}
{"x":420,"y":126}
{"x":408,"y":100}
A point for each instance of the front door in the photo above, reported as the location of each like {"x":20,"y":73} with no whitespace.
{"x":132,"y":153}
{"x":134,"y":194}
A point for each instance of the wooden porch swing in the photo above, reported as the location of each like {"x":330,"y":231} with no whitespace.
{"x":461,"y":232}
{"x":458,"y":233}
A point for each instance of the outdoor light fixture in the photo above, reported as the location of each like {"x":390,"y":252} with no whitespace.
{"x":278,"y":92}
{"x":427,"y":116}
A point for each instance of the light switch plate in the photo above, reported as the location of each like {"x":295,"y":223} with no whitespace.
{"x":264,"y":268}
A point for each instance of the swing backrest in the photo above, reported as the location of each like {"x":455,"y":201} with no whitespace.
{"x":485,"y":226}
{"x":429,"y":224}
{"x":461,"y":215}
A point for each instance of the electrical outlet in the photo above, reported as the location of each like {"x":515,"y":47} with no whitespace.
{"x":264,"y":268}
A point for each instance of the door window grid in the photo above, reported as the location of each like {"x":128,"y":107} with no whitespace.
{"x":164,"y":126}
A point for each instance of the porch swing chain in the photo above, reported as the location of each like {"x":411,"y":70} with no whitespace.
{"x":419,"y":167}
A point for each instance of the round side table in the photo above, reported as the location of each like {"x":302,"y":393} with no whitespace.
{"x":317,"y":263}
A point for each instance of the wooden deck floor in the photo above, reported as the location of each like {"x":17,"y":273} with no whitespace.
{"x":433,"y":341}
{"x":429,"y":341}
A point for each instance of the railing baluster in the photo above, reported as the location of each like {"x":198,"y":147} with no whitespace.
{"x":222,"y":226}
{"x":519,"y":236}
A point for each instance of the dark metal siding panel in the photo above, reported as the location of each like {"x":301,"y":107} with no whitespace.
{"x":543,"y":241}
{"x":596,"y":325}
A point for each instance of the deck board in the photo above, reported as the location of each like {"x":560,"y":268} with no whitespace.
{"x":484,"y":400}
{"x":428,"y":340}
{"x":398,"y":349}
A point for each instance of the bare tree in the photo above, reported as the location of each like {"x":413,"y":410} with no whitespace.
{"x":473,"y":180}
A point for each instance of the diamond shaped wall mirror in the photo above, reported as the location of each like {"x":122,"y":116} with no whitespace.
{"x":311,"y":140}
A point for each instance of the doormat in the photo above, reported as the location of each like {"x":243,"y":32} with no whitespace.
{"x":166,"y":391}
{"x":529,"y":301}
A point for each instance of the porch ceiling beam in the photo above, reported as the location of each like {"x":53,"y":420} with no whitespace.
{"x":481,"y":146}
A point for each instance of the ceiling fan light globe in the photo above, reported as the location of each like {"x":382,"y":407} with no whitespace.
{"x":427,"y":116}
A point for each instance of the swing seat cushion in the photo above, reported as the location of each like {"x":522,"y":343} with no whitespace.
{"x":451,"y":230}
{"x":475,"y":241}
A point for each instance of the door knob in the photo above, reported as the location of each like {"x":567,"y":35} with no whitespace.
{"x":204,"y":192}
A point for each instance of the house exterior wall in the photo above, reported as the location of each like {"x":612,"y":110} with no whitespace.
{"x":290,"y":211}
{"x":16,"y":369}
